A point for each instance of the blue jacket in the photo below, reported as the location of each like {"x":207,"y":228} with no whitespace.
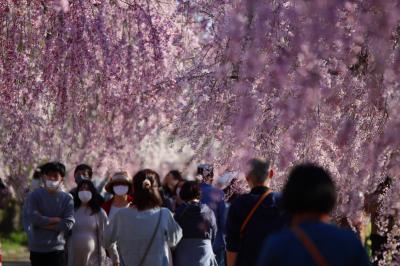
{"x":339,"y":247}
{"x":214,"y":198}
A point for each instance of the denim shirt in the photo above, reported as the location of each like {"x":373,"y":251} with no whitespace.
{"x":214,"y":198}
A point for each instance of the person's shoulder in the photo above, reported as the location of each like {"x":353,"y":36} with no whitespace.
{"x":102,"y":213}
{"x":179,"y":208}
{"x":206,"y":211}
{"x":217,"y":190}
{"x":165,"y":212}
{"x":276,"y":194}
{"x":65,"y":195}
{"x":347,"y":237}
{"x":127,"y":210}
{"x":276,"y":197}
{"x":344,"y":235}
{"x":125,"y":214}
{"x":279,"y":239}
{"x":36,"y":192}
{"x":241,"y":198}
{"x":204,"y":207}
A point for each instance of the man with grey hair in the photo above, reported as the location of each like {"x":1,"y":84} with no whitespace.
{"x":253,"y":216}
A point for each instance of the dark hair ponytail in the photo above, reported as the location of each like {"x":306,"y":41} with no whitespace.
{"x":146,"y":194}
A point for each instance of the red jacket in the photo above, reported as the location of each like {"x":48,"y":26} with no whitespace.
{"x":107,"y":205}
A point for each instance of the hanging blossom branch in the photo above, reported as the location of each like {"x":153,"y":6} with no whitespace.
{"x":288,"y":80}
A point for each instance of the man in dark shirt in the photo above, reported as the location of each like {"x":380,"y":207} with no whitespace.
{"x":253,"y":216}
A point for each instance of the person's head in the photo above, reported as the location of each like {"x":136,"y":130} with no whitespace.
{"x":146,"y":194}
{"x":5,"y":194}
{"x":260,"y":173}
{"x":190,"y":191}
{"x":206,"y":171}
{"x":119,"y":184}
{"x":83,"y":171}
{"x":172,"y":179}
{"x":53,"y":174}
{"x":36,"y":179}
{"x":309,"y":190}
{"x":86,"y":196}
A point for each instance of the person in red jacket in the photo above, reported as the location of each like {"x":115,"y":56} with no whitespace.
{"x":120,"y":186}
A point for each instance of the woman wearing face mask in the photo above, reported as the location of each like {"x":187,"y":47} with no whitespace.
{"x":85,"y":246}
{"x":145,"y":231}
{"x":120,"y":186}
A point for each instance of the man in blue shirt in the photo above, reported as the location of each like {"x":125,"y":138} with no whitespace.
{"x":50,"y":214}
{"x":253,"y":216}
{"x":214,"y":198}
{"x":309,"y":196}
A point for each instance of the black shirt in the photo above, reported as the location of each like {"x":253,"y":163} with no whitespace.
{"x":267,"y":219}
{"x":197,"y":221}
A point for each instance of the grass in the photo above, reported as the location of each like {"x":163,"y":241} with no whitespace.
{"x":14,"y":246}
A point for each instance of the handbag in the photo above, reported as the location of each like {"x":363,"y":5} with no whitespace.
{"x":151,"y":240}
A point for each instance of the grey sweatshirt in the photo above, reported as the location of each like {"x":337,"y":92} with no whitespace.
{"x":40,"y":206}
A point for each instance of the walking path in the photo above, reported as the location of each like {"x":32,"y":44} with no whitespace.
{"x":16,"y":263}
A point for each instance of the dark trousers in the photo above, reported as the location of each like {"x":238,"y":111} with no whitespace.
{"x":55,"y":258}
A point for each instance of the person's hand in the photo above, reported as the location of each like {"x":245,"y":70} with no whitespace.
{"x":51,"y":227}
{"x":54,"y":220}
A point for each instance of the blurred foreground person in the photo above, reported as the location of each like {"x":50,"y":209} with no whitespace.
{"x":199,"y":229}
{"x":214,"y":198}
{"x":85,"y":245}
{"x":310,"y":195}
{"x":144,"y":232}
{"x":51,"y":216}
{"x":253,"y":216}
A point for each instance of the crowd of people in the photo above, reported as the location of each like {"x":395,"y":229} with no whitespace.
{"x":147,"y":221}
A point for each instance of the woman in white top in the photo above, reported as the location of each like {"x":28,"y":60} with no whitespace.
{"x":144,"y":232}
{"x":86,"y":243}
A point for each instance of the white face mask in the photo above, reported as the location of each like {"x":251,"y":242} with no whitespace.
{"x":85,"y":196}
{"x":36,"y":183}
{"x":52,"y":185}
{"x":120,"y":190}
